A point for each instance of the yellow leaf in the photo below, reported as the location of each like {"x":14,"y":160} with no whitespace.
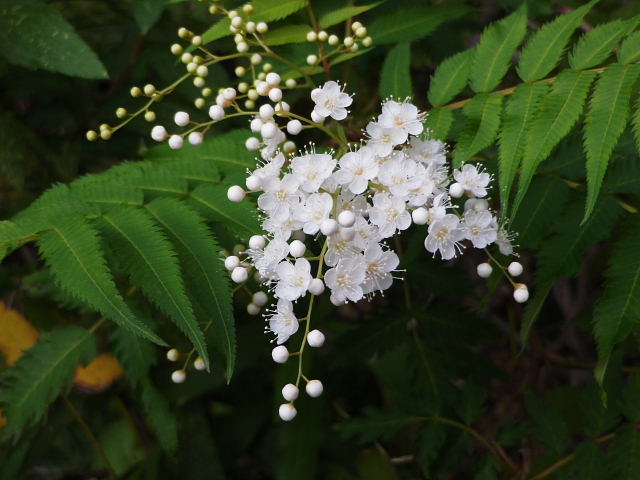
{"x":16,"y":334}
{"x":99,"y":374}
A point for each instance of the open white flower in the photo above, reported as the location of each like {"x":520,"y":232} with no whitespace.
{"x":279,"y":196}
{"x":331,"y":101}
{"x":283,"y":322}
{"x":438,"y":208}
{"x":401,"y":175}
{"x":389,"y":213}
{"x":478,"y":228}
{"x":345,"y":279}
{"x":356,"y":169}
{"x":403,"y":117}
{"x":382,"y":140}
{"x":294,"y":279}
{"x":312,"y":169}
{"x":444,"y":236}
{"x":270,"y":168}
{"x":427,"y":151}
{"x":473,"y":181}
{"x":379,"y":264}
{"x":266,"y":260}
{"x":317,"y":207}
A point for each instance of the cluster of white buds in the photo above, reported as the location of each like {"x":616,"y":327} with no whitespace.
{"x":180,"y":375}
{"x":353,"y":204}
{"x":356,"y":35}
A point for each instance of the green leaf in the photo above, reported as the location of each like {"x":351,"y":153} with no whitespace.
{"x":287,"y":34}
{"x":497,"y":45}
{"x":543,"y":51}
{"x":548,"y":426}
{"x":595,"y":46}
{"x":413,"y":22}
{"x":559,"y":111}
{"x":624,"y":456}
{"x":134,"y":353}
{"x":589,"y":463}
{"x":629,"y":51}
{"x":150,"y":261}
{"x":147,"y":12}
{"x":450,"y":78}
{"x":439,"y":122}
{"x":160,"y":415}
{"x":212,"y":201}
{"x":396,"y":73}
{"x":73,"y":253}
{"x":605,"y":121}
{"x":34,"y":34}
{"x":333,"y":17}
{"x":518,"y":116}
{"x":41,"y":374}
{"x":635,"y":122}
{"x":617,"y":311}
{"x":481,"y":127}
{"x":533,"y":309}
{"x":623,"y":176}
{"x":207,"y":279}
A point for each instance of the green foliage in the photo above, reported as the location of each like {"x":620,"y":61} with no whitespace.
{"x":395,"y":80}
{"x":450,"y":78}
{"x":481,"y":127}
{"x":41,"y":374}
{"x":549,"y":427}
{"x":147,"y":12}
{"x":596,"y":46}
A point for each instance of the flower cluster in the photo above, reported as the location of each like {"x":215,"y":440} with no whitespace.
{"x":354,"y":202}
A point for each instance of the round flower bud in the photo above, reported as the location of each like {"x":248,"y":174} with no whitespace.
{"x":239,"y":275}
{"x":256,"y":124}
{"x":231,"y":262}
{"x":312,"y":36}
{"x":256,"y":59}
{"x":149,"y":89}
{"x":315,"y":338}
{"x":159,"y":133}
{"x":262,"y":27}
{"x":348,"y":42}
{"x":242,"y":47}
{"x":347,"y":234}
{"x":314,"y":388}
{"x":312,"y":59}
{"x":280,"y":354}
{"x":199,"y":364}
{"x":176,"y":142}
{"x":184,"y":33}
{"x":257,"y":242}
{"x":289,"y":147}
{"x":199,"y":103}
{"x":176,"y":49}
{"x":354,"y":47}
{"x":173,"y":354}
{"x":198,"y":82}
{"x":238,"y":248}
{"x":521,"y":293}
{"x":105,"y":134}
{"x":262,"y":88}
{"x":273,"y":79}
{"x":121,"y":112}
{"x":282,"y":108}
{"x":294,"y":127}
{"x":329,"y":227}
{"x":484,"y":270}
{"x":367,"y":42}
{"x":266,"y":111}
{"x":290,"y":392}
{"x":253,"y":94}
{"x":196,"y":138}
{"x":268,"y":130}
{"x":240,"y":71}
{"x":150,"y":116}
{"x":202,"y":71}
{"x":456,"y":190}
{"x":181,"y":118}
{"x":252,"y":182}
{"x":316,"y":287}
{"x":346,"y":218}
{"x":92,"y":135}
{"x":287,"y":412}
{"x":250,"y":27}
{"x":356,"y":25}
{"x":135,"y":92}
{"x":260,"y":298}
{"x":247,"y":8}
{"x":253,"y":309}
{"x":297,"y":248}
{"x":196,"y":41}
{"x":361,"y":32}
{"x":236,"y":21}
{"x":216,"y":112}
{"x":229,"y":93}
{"x":275,"y":94}
{"x":323,"y":36}
{"x":252,"y":144}
{"x":333,"y":40}
{"x":515,"y":269}
{"x":290,"y":82}
{"x":420,"y":216}
{"x":179,"y":376}
{"x":316,"y":117}
{"x":235,"y":193}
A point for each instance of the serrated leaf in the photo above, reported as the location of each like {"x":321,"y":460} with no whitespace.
{"x":629,"y":51}
{"x":395,"y":80}
{"x":339,"y":15}
{"x":518,"y":116}
{"x":635,"y":123}
{"x":147,"y":12}
{"x":150,"y":261}
{"x":595,"y":46}
{"x":439,"y":122}
{"x":206,"y":279}
{"x":430,"y":442}
{"x":623,"y":176}
{"x":374,"y":424}
{"x":34,"y":34}
{"x":41,"y":374}
{"x":481,"y":127}
{"x":160,"y":415}
{"x":548,"y":426}
{"x":136,"y":354}
{"x":286,"y":35}
{"x":450,"y":78}
{"x":497,"y":45}
{"x":542,"y":52}
{"x":413,"y":22}
{"x":605,"y":121}
{"x":73,"y":253}
{"x":631,"y":399}
{"x":624,"y":456}
{"x":558,"y":113}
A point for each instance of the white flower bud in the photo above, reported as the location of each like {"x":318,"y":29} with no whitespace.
{"x":282,"y":108}
{"x":275,"y":94}
{"x":356,"y":25}
{"x":198,"y":82}
{"x":476,"y":204}
{"x":252,"y":144}
{"x":348,"y":42}
{"x":484,"y":270}
{"x":253,"y":94}
{"x":316,"y":287}
{"x":239,"y":275}
{"x":297,"y":248}
{"x":515,"y":269}
{"x":159,"y":133}
{"x":242,"y":47}
{"x":181,"y":118}
{"x":196,"y":138}
{"x":229,"y":93}
{"x":280,"y":354}
{"x":273,"y":79}
{"x":420,"y":216}
{"x":256,"y":59}
{"x":312,"y":59}
{"x":361,"y":32}
{"x":367,"y":42}
{"x":314,"y":388}
{"x":235,"y":193}
{"x":260,"y":298}
{"x":315,"y":338}
{"x":257,"y":242}
{"x":231,"y":262}
{"x":262,"y":27}
{"x":268,"y":130}
{"x":287,"y":412}
{"x":253,"y":309}
{"x":329,"y":227}
{"x":256,"y":124}
{"x":456,"y":190}
{"x":333,"y":40}
{"x":253,"y":182}
{"x":346,"y":218}
{"x":294,"y":127}
{"x":290,"y":82}
{"x":236,"y":21}
{"x":312,"y":36}
{"x":521,"y":293}
{"x":202,"y":71}
{"x":250,"y":27}
{"x":173,"y":354}
{"x":216,"y":112}
{"x":322,"y":36}
{"x":176,"y":142}
{"x":289,"y":147}
{"x":176,"y":49}
{"x":178,"y":376}
{"x":199,"y":364}
{"x":290,"y":392}
{"x":316,"y":117}
{"x":266,"y":111}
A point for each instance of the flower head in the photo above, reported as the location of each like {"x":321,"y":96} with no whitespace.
{"x":331,"y":101}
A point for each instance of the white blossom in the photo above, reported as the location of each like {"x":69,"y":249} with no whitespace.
{"x":427,"y":151}
{"x":283,"y":322}
{"x":473,"y":181}
{"x":317,"y":207}
{"x":279,"y":196}
{"x":356,"y":169}
{"x":345,"y":279}
{"x":389,"y":213}
{"x":403,"y":117}
{"x":444,"y":236}
{"x":293,"y":279}
{"x":379,"y":264}
{"x":311,"y":170}
{"x":331,"y":101}
{"x":478,"y":228}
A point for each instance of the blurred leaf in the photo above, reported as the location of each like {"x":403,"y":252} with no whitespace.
{"x":103,"y":370}
{"x":16,"y":334}
{"x":395,"y":81}
{"x":373,"y":465}
{"x":548,"y":426}
{"x":147,"y":12}
{"x":334,"y":17}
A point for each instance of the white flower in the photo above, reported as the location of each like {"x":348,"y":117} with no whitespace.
{"x":267,"y":259}
{"x":444,"y":235}
{"x":282,"y":227}
{"x":293,"y":279}
{"x":365,"y":233}
{"x":382,"y":140}
{"x":279,"y":196}
{"x":311,"y":170}
{"x":338,"y":249}
{"x":388,"y":214}
{"x":477,"y":228}
{"x":356,"y":169}
{"x":345,"y":279}
{"x":272,"y":144}
{"x":317,"y":207}
{"x":350,"y":201}
{"x":400,"y":176}
{"x":270,"y":168}
{"x":283,"y":322}
{"x":438,"y":208}
{"x":504,"y":239}
{"x":403,"y":117}
{"x":379,"y":265}
{"x":331,"y":101}
{"x":473,"y":181}
{"x":427,"y":151}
